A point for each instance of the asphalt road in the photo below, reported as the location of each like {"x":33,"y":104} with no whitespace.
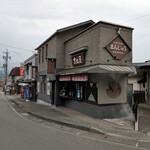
{"x":20,"y":133}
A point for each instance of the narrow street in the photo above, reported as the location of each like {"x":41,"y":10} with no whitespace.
{"x":19,"y":133}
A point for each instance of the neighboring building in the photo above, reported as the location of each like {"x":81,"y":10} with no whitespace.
{"x":143,"y":72}
{"x":51,"y":60}
{"x":97,"y":62}
{"x":30,"y":68}
{"x":14,"y":75}
{"x":30,"y":75}
{"x":134,"y":87}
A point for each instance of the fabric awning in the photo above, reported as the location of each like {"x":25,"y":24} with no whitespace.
{"x":65,"y":78}
{"x":79,"y":77}
{"x":98,"y":69}
{"x":23,"y":84}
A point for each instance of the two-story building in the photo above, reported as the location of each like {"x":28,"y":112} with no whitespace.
{"x":143,"y":72}
{"x":51,"y":60}
{"x":14,"y":75}
{"x":30,"y":68}
{"x":97,"y":62}
{"x":30,"y":75}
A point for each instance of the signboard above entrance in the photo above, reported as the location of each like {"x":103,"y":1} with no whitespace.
{"x":118,"y":48}
{"x":76,"y":77}
{"x":78,"y":59}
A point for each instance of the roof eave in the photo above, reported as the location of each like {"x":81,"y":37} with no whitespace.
{"x":65,"y":29}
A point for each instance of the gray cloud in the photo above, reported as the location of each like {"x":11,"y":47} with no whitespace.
{"x":26,"y":24}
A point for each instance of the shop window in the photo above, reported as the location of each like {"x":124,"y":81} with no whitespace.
{"x":79,"y":91}
{"x":46,"y":51}
{"x":43,"y":54}
{"x":79,"y":86}
{"x":39,"y":56}
{"x":91,"y":92}
{"x":73,"y":89}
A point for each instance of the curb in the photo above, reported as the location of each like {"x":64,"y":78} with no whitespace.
{"x":84,"y":128}
{"x":20,"y":106}
{"x":91,"y":129}
{"x":66,"y":123}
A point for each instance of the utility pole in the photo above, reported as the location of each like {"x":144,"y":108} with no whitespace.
{"x":0,"y":75}
{"x":5,"y":65}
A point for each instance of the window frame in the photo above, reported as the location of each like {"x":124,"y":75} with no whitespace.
{"x":42,"y":54}
{"x":39,"y":56}
{"x":46,"y":53}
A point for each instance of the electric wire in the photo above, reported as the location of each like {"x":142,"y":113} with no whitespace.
{"x":21,"y":49}
{"x":137,"y":18}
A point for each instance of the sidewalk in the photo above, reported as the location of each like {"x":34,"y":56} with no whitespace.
{"x":144,"y":118}
{"x":69,"y":117}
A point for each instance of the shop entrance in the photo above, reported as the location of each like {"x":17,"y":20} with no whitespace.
{"x":51,"y":91}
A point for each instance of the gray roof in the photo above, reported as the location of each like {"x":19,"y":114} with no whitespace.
{"x":102,"y":22}
{"x":65,"y":29}
{"x":115,"y":24}
{"x":98,"y":69}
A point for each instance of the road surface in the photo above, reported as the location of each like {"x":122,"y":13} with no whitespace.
{"x":19,"y":131}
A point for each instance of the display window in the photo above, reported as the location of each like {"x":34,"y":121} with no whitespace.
{"x":73,"y":89}
{"x":79,"y":91}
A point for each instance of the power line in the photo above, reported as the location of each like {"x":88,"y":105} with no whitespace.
{"x":137,"y":18}
{"x":21,"y":49}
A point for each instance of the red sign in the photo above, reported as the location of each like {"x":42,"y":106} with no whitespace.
{"x":65,"y":78}
{"x":78,"y":60}
{"x":118,"y":48}
{"x":21,"y":71}
{"x":81,"y":77}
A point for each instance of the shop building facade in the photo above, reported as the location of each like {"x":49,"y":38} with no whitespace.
{"x":97,"y":62}
{"x":30,"y":76}
{"x":143,"y":72}
{"x":51,"y":60}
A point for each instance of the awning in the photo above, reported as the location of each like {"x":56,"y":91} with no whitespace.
{"x":65,"y":78}
{"x":78,"y":77}
{"x":23,"y":84}
{"x":29,"y":80}
{"x":98,"y":69}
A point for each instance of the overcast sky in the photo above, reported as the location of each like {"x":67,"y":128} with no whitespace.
{"x":25,"y":24}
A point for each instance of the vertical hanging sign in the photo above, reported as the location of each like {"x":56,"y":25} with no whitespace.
{"x":22,"y":70}
{"x":27,"y":92}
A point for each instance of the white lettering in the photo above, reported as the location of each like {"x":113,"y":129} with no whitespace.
{"x":74,"y":60}
{"x":77,"y":60}
{"x":118,"y":47}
